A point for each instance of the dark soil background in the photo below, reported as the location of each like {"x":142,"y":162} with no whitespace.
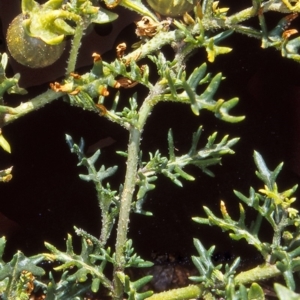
{"x":46,"y":198}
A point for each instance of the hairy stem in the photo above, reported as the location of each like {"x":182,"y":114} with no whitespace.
{"x":128,"y":190}
{"x":29,"y":106}
{"x":126,"y":199}
{"x":76,"y":43}
{"x":257,"y":274}
{"x":195,"y":291}
{"x":189,"y":292}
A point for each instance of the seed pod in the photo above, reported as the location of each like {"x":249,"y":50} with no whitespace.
{"x":171,"y":8}
{"x":30,"y":51}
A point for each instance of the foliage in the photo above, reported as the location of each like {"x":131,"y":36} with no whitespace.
{"x":280,"y":257}
{"x":17,"y":276}
{"x":206,"y":26}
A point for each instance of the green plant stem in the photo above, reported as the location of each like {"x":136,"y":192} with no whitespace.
{"x":242,"y":16}
{"x":76,"y":43}
{"x":107,"y":224}
{"x":159,"y":40}
{"x":279,"y":227}
{"x":31,"y":105}
{"x":126,"y":199}
{"x":257,"y":274}
{"x":189,"y":292}
{"x":104,"y":203}
{"x":128,"y":189}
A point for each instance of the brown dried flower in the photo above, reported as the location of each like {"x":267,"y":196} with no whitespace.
{"x":286,"y":34}
{"x":146,"y":27}
{"x":120,"y":50}
{"x":75,"y":75}
{"x":65,"y":88}
{"x":125,"y":83}
{"x":96,"y":56}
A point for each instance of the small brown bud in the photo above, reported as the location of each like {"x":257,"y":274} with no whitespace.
{"x":121,"y":50}
{"x":96,"y":56}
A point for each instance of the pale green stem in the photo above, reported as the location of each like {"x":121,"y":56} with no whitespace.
{"x":253,"y":11}
{"x":104,"y":204}
{"x":128,"y":189}
{"x":76,"y":43}
{"x":251,"y":32}
{"x":280,"y":226}
{"x":189,"y":292}
{"x":241,"y":16}
{"x":159,"y":40}
{"x":256,"y":274}
{"x":29,"y":106}
{"x":126,"y":199}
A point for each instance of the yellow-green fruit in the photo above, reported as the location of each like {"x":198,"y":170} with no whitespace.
{"x":171,"y":8}
{"x":29,"y":51}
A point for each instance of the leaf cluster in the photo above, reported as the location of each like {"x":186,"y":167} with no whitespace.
{"x":8,"y":85}
{"x":173,"y":166}
{"x":85,"y":271}
{"x":51,"y":21}
{"x":177,"y":87}
{"x":282,"y":255}
{"x":82,"y":263}
{"x":17,"y":277}
{"x":108,"y":199}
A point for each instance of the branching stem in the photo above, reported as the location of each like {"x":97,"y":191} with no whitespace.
{"x":27,"y":107}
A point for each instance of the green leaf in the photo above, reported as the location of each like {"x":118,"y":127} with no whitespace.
{"x":211,"y":88}
{"x":196,"y":76}
{"x":135,"y":5}
{"x":104,"y":16}
{"x":82,"y":265}
{"x":20,"y":263}
{"x":171,"y":145}
{"x":53,"y":4}
{"x":264,"y":173}
{"x":4,"y":143}
{"x":131,"y":288}
{"x":222,"y":111}
{"x":183,"y":174}
{"x":141,"y":282}
{"x":256,"y":292}
{"x":192,"y":96}
{"x":95,"y":285}
{"x":29,"y":5}
{"x":284,"y":293}
{"x":243,"y":292}
{"x":171,"y":83}
{"x":196,"y":137}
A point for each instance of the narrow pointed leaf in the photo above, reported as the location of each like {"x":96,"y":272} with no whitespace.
{"x":196,"y":76}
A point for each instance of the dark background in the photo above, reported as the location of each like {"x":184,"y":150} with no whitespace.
{"x":46,"y":198}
